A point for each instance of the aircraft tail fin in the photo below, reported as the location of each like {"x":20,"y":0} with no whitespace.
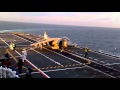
{"x":45,"y":35}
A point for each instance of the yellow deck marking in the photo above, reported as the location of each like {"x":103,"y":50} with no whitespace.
{"x":73,"y":65}
{"x":66,"y":65}
{"x":55,"y":66}
{"x":51,"y":67}
{"x":59,"y":66}
{"x":70,"y":65}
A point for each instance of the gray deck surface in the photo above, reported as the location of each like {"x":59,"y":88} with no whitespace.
{"x":46,"y":60}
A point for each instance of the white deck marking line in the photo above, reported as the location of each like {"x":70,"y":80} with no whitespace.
{"x":76,"y":53}
{"x":105,"y":66}
{"x":102,"y":61}
{"x":90,"y":57}
{"x":101,"y":72}
{"x":99,"y":61}
{"x":3,"y":46}
{"x":41,"y":72}
{"x":30,"y":37}
{"x":112,"y":64}
{"x":22,"y":38}
{"x":78,"y":56}
{"x":4,"y":41}
{"x":47,"y":57}
{"x":62,"y":69}
{"x":17,"y":45}
{"x":95,"y":59}
{"x":105,"y":54}
{"x":63,"y":56}
{"x":55,"y":70}
{"x":19,"y":42}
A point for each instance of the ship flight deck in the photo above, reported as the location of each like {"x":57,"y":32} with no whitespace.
{"x":70,"y":63}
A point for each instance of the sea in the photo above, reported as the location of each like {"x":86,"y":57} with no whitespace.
{"x":101,"y":39}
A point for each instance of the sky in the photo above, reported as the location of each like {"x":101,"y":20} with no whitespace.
{"x":95,"y":19}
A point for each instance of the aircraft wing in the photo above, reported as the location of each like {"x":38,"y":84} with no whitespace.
{"x":44,"y":41}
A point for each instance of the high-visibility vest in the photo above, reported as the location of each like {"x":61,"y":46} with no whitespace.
{"x":86,"y":49}
{"x":11,"y":46}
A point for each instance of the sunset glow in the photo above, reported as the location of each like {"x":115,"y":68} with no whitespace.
{"x":97,"y":19}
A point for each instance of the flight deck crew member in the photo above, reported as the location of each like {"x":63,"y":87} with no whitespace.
{"x":7,"y":57}
{"x":14,"y":46}
{"x":4,"y":69}
{"x":7,"y":62}
{"x":24,"y":54}
{"x":86,"y":52}
{"x":19,"y":66}
{"x":28,"y":72}
{"x":11,"y":46}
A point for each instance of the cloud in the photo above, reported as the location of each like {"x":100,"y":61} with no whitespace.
{"x":9,"y":16}
{"x":68,"y":14}
{"x":108,"y":19}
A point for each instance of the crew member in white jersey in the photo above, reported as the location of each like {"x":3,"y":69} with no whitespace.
{"x":24,"y":54}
